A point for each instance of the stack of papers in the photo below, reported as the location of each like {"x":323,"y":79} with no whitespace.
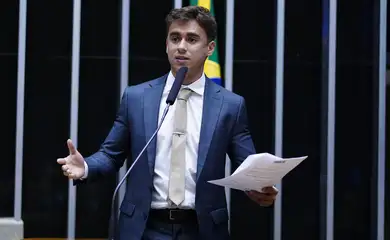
{"x":259,"y":171}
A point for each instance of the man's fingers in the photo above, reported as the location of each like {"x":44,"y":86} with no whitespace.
{"x":270,"y":190}
{"x":71,"y":176}
{"x":252,"y":196}
{"x":71,"y":147}
{"x":65,"y":168}
{"x":61,"y":160}
{"x":258,"y":196}
{"x":262,"y":199}
{"x":265,"y":203}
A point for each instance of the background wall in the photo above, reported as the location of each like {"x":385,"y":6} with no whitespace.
{"x":48,"y":92}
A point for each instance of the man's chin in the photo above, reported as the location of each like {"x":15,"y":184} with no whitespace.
{"x":180,"y":65}
{"x":176,"y":67}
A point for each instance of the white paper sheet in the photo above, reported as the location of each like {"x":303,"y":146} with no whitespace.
{"x":259,"y":171}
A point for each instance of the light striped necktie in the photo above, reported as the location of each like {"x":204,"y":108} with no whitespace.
{"x":178,"y":152}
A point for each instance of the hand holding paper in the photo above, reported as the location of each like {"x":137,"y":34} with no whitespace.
{"x":259,"y":171}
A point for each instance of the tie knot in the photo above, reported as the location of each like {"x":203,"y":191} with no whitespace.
{"x":184,"y":94}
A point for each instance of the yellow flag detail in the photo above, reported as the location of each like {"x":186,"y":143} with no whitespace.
{"x":212,"y":69}
{"x":204,"y":3}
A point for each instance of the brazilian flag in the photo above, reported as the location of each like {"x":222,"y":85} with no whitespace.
{"x":212,"y":68}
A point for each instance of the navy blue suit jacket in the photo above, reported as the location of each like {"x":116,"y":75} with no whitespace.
{"x":224,"y":130}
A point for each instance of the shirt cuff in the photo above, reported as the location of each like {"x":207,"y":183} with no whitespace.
{"x":86,"y":171}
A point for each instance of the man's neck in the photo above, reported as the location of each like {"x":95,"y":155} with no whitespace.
{"x":191,"y":77}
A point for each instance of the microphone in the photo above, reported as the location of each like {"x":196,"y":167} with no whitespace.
{"x":180,"y":75}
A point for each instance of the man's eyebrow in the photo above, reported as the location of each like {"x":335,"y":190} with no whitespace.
{"x":174,"y":33}
{"x":193,"y":35}
{"x":190,"y":34}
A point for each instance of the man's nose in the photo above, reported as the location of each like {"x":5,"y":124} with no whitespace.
{"x":182,"y":47}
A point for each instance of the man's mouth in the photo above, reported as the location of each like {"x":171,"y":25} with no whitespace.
{"x":181,"y":58}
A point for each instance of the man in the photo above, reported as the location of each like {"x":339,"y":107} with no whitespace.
{"x":168,"y":195}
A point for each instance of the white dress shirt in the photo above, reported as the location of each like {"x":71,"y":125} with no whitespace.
{"x":164,"y":142}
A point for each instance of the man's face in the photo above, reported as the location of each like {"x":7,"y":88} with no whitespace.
{"x":187,"y":45}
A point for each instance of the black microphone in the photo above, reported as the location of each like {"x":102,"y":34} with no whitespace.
{"x":180,"y":75}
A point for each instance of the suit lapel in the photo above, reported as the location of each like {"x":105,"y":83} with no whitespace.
{"x":151,"y":106}
{"x":211,"y":109}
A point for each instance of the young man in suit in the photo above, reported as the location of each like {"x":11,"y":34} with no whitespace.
{"x":167,"y":195}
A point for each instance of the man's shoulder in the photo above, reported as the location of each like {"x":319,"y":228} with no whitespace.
{"x":139,"y":88}
{"x":229,"y":96}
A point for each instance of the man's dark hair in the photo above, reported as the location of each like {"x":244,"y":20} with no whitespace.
{"x":200,"y":14}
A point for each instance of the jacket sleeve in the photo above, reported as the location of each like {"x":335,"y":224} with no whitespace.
{"x":114,"y":150}
{"x":241,"y":144}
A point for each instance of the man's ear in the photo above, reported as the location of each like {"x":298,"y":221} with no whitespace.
{"x":211,"y":48}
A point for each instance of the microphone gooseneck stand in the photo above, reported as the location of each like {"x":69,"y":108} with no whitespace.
{"x":170,"y":101}
{"x":113,"y":218}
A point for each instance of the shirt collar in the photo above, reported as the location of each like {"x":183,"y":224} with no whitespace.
{"x":197,"y":86}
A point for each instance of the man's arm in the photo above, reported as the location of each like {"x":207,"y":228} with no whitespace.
{"x":241,"y":143}
{"x":114,"y":150}
{"x":241,"y":146}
